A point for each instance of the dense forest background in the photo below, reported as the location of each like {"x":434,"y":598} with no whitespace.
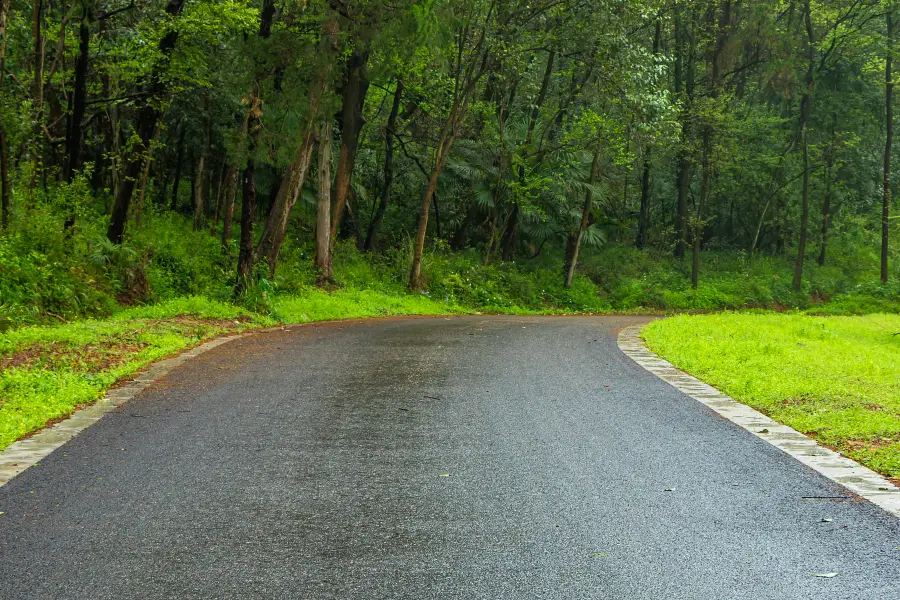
{"x":550,"y":154}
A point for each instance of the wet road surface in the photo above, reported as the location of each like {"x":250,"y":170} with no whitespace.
{"x":472,"y":457}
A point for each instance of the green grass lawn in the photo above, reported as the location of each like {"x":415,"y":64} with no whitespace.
{"x":834,"y":378}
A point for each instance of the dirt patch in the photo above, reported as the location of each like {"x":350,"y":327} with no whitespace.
{"x":92,"y":357}
{"x":115,"y":349}
{"x":189,"y":321}
{"x":879,"y":444}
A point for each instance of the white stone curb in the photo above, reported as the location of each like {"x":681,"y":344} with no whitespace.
{"x":858,"y":479}
{"x":20,"y":455}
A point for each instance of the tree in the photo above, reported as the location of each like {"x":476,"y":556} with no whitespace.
{"x":888,"y":142}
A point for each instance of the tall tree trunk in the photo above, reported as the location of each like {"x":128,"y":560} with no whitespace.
{"x":4,"y":182}
{"x":179,"y":161}
{"x":219,"y":189}
{"x":276,"y":224}
{"x":248,"y":207}
{"x":715,"y":84}
{"x":644,"y":214}
{"x":805,"y":110}
{"x":269,"y":245}
{"x":509,"y":239}
{"x":250,"y":128}
{"x":4,"y":150}
{"x":79,"y":94}
{"x":498,"y":182}
{"x":465,"y":87}
{"x":228,"y":210}
{"x":324,"y":275}
{"x":574,"y":242}
{"x":683,"y":174}
{"x":200,"y":183}
{"x":356,"y":86}
{"x":145,"y":178}
{"x":888,"y":143}
{"x":145,"y":127}
{"x":415,"y":274}
{"x":247,"y":256}
{"x":388,"y":169}
{"x":826,"y":202}
{"x":37,"y":95}
{"x":697,"y":228}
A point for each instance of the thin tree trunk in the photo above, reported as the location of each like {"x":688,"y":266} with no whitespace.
{"x":4,"y":150}
{"x":37,"y":95}
{"x":356,"y":86}
{"x":888,"y":144}
{"x":200,"y":184}
{"x":805,"y":111}
{"x":179,"y":161}
{"x":219,"y":190}
{"x":683,"y":174}
{"x":324,"y":275}
{"x":445,"y":143}
{"x":79,"y":94}
{"x":715,"y":83}
{"x":498,"y":182}
{"x":644,"y":214}
{"x":4,"y":182}
{"x":228,"y":211}
{"x":826,"y":202}
{"x":248,"y":206}
{"x":145,"y":177}
{"x":572,"y":259}
{"x":388,"y":170}
{"x":145,"y":126}
{"x":697,"y":229}
{"x":509,"y":239}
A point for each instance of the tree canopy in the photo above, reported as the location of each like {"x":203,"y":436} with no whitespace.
{"x":509,"y":128}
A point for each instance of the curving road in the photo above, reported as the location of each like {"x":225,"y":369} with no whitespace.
{"x":470,"y":457}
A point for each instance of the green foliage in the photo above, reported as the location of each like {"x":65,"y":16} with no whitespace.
{"x":834,"y":378}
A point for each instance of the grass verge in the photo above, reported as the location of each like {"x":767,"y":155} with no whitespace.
{"x":836,"y":379}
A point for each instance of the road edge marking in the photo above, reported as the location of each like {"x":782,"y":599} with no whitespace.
{"x":848,"y":473}
{"x":23,"y":454}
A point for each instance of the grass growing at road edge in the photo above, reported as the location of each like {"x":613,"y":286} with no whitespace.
{"x":834,"y":378}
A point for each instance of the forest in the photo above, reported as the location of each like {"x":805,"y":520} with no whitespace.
{"x":548,"y":155}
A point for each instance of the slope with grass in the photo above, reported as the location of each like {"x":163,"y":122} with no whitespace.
{"x":834,"y":378}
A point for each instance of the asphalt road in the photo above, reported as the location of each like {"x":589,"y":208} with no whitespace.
{"x":432,"y":458}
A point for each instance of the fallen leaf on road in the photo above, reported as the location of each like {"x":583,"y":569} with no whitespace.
{"x":826,"y":575}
